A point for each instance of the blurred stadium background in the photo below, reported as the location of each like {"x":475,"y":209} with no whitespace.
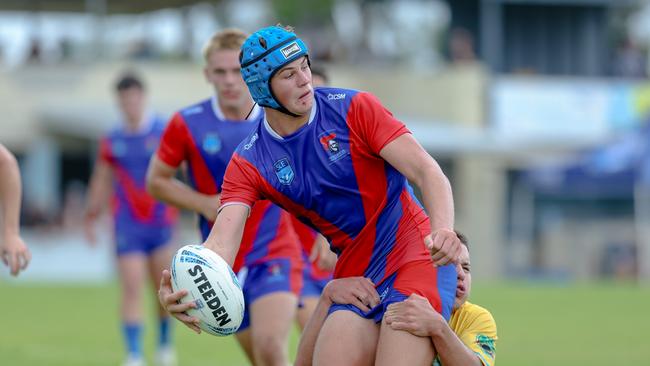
{"x":538,"y":111}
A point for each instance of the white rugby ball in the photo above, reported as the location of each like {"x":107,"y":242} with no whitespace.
{"x":211,"y":283}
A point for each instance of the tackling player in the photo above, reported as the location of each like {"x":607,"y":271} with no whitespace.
{"x":339,"y":161}
{"x":13,"y":250}
{"x":143,"y":227}
{"x":468,"y":339}
{"x":318,"y":263}
{"x":205,"y":135}
{"x":471,"y":334}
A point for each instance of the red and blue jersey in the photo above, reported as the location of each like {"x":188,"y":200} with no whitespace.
{"x":128,"y":154}
{"x":202,"y":136}
{"x":307,"y":237}
{"x":330,"y":175}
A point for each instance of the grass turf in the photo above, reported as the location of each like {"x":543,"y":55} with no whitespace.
{"x":538,"y":324}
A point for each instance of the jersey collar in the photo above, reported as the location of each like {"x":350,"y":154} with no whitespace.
{"x":145,"y":126}
{"x":219,"y":113}
{"x":277,"y":136}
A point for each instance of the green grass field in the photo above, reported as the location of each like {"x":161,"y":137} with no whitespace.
{"x":538,"y":324}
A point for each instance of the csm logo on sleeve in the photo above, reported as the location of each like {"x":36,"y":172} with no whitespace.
{"x":335,"y":96}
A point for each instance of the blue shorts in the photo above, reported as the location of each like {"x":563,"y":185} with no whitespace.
{"x":143,"y":240}
{"x":313,"y":287}
{"x":437,"y":284}
{"x":263,"y":278}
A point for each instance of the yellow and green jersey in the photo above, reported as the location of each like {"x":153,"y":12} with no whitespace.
{"x":477,"y":329}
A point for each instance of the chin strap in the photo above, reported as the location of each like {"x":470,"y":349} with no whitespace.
{"x":281,"y":109}
{"x":251,"y":111}
{"x":286,"y":111}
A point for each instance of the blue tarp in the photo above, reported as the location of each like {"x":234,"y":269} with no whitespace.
{"x":609,"y":171}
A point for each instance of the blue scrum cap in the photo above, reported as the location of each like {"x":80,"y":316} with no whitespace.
{"x":263,"y":54}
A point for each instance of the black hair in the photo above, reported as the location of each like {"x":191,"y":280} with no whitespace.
{"x":320,"y":71}
{"x":462,"y":238}
{"x":127,"y":81}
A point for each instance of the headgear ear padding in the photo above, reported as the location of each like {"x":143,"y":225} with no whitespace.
{"x":263,"y":54}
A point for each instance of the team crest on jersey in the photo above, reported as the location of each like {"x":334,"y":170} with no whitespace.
{"x":283,"y":171}
{"x":330,"y":143}
{"x":275,"y":273}
{"x":211,"y":143}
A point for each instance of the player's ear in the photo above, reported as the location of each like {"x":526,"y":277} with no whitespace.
{"x":206,"y":72}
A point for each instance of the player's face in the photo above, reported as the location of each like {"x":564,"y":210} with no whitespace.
{"x":464,"y":283}
{"x":292,"y":87}
{"x":223,"y":72}
{"x":132,"y":103}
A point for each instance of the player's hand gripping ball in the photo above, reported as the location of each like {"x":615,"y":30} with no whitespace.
{"x":212,"y":285}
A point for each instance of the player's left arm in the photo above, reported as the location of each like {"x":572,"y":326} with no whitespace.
{"x":13,"y":250}
{"x":417,"y":316}
{"x":406,"y":155}
{"x":387,"y":137}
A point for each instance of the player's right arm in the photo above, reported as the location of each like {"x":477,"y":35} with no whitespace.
{"x":227,"y":231}
{"x":161,"y":174}
{"x":224,"y":240}
{"x":99,"y":190}
{"x":240,"y":194}
{"x":13,"y":250}
{"x":241,"y":189}
{"x":163,"y":185}
{"x":170,"y":300}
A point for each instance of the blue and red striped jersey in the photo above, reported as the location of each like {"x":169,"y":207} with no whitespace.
{"x":330,"y":175}
{"x":307,"y":237}
{"x":202,"y":136}
{"x":128,"y":154}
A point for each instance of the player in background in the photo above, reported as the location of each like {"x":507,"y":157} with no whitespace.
{"x":319,"y":261}
{"x":468,"y":339}
{"x":143,"y":227}
{"x":13,"y":250}
{"x":205,"y":135}
{"x":319,"y":76}
{"x":339,"y":161}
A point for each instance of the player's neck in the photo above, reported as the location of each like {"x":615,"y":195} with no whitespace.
{"x":283,"y":123}
{"x":134,"y":123}
{"x":238,"y":113}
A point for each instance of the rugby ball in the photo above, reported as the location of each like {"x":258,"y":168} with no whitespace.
{"x":212,"y":285}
